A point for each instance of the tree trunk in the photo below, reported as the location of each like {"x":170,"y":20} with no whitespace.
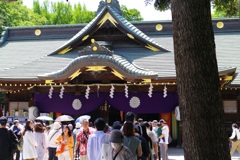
{"x":202,"y":115}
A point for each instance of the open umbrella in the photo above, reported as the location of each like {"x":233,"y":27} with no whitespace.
{"x":81,"y":118}
{"x":44,"y":118}
{"x":64,"y":118}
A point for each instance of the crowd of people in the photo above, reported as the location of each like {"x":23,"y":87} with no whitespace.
{"x":132,"y":140}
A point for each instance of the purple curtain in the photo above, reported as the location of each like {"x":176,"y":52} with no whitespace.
{"x":136,"y":102}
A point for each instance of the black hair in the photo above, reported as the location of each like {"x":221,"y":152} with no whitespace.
{"x":100,"y":124}
{"x":148,"y":125}
{"x":116,"y":125}
{"x":106,"y":128}
{"x":145,"y":135}
{"x":130,"y":116}
{"x":15,"y":122}
{"x":3,"y":123}
{"x":235,"y":125}
{"x":128,"y":129}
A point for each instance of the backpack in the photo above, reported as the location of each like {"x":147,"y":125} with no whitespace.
{"x":13,"y":142}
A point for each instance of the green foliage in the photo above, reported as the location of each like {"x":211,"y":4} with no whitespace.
{"x":162,"y":5}
{"x":131,"y":14}
{"x":81,"y":15}
{"x":63,"y":13}
{"x":222,"y":8}
{"x":16,"y":14}
{"x":226,"y":8}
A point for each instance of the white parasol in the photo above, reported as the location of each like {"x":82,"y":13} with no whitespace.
{"x":44,"y":118}
{"x":64,"y":118}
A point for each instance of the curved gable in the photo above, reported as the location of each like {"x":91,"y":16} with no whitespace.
{"x":108,"y":12}
{"x":116,"y":62}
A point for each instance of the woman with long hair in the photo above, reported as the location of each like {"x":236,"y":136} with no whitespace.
{"x":148,"y":140}
{"x":41,"y":141}
{"x":65,"y":144}
{"x":29,"y":143}
{"x":130,"y":140}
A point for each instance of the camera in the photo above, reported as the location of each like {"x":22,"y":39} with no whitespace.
{"x":83,"y":141}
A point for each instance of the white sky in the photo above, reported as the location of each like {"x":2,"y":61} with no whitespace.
{"x":147,"y":12}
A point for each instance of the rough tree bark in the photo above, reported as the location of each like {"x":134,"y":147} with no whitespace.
{"x":202,"y":115}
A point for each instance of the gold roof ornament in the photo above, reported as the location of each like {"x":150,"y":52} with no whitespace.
{"x":85,"y":37}
{"x":48,"y":81}
{"x":95,"y":48}
{"x":75,"y":74}
{"x":147,"y":81}
{"x":130,"y":36}
{"x":117,"y":74}
{"x":159,"y":27}
{"x":38,"y":32}
{"x":106,"y":17}
{"x":65,"y":50}
{"x":152,"y":48}
{"x":96,"y":68}
{"x":220,"y":25}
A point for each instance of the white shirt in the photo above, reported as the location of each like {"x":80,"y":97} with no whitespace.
{"x":41,"y":142}
{"x":52,"y":136}
{"x":76,"y":131}
{"x":165,"y":132}
{"x":155,"y":129}
{"x":152,"y":135}
{"x":235,"y":131}
{"x":94,"y":145}
{"x":29,"y":146}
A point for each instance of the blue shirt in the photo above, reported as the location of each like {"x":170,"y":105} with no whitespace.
{"x":94,"y":145}
{"x":132,"y":143}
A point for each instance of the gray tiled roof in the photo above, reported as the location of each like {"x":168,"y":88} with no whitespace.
{"x":116,"y":62}
{"x":24,"y":56}
{"x":227,"y":50}
{"x":134,"y":30}
{"x":79,"y":36}
{"x":28,"y":59}
{"x":31,"y":70}
{"x":127,"y":26}
{"x":14,"y":54}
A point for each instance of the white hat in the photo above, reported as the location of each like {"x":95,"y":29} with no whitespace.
{"x":84,"y":117}
{"x":56,"y":125}
{"x":162,"y":121}
{"x":78,"y":125}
